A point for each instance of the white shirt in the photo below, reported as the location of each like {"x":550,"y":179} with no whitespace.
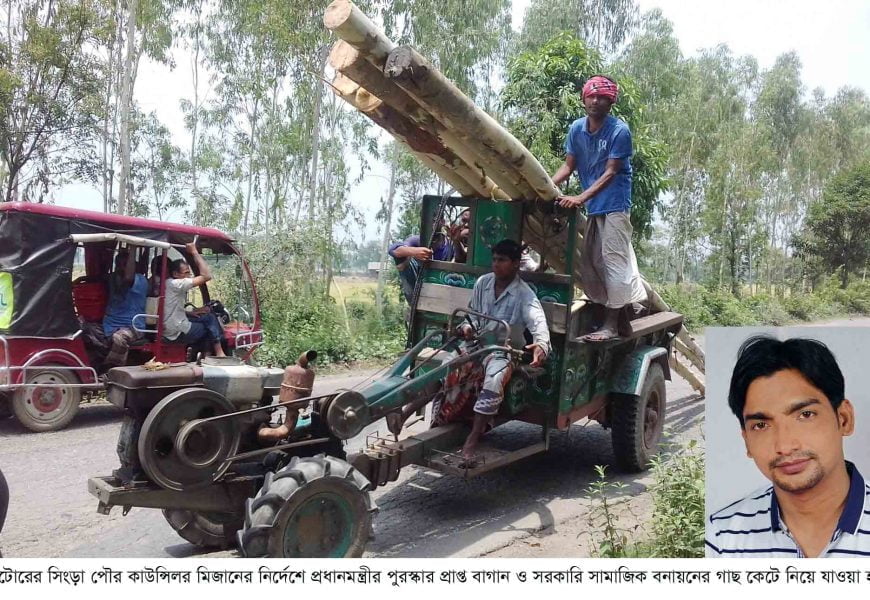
{"x":175,"y":321}
{"x":753,"y":527}
{"x":517,"y":305}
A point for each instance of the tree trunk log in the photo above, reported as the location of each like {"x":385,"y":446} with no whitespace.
{"x":350,"y":24}
{"x":687,"y":374}
{"x":353,"y":64}
{"x":422,"y":144}
{"x":448,"y":104}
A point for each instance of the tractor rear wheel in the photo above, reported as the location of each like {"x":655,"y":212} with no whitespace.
{"x":205,"y":529}
{"x":45,"y":404}
{"x":317,"y":507}
{"x":637,"y":422}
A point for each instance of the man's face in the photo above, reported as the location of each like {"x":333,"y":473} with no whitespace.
{"x":792,"y":432}
{"x":182,"y":272}
{"x":503,"y":267}
{"x":121,"y":261}
{"x":596,"y":105}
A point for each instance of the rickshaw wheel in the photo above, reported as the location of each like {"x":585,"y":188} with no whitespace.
{"x":637,"y":423}
{"x":317,"y":507}
{"x":45,"y":407}
{"x":5,"y":405}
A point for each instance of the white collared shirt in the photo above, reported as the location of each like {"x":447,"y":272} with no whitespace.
{"x":518,"y":305}
{"x":753,"y":527}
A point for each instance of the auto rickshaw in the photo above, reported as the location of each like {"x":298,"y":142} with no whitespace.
{"x":54,"y":267}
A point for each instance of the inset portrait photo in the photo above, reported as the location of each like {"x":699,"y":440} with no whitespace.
{"x":788,"y":442}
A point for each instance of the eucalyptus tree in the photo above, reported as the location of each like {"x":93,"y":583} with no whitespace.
{"x":146,"y":31}
{"x":49,"y":94}
{"x":602,"y":24}
{"x":835,"y":231}
{"x":159,"y":169}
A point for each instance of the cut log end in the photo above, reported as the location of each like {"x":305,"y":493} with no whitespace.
{"x":342,"y":55}
{"x":337,"y":13}
{"x":344,"y":86}
{"x":366,"y":101}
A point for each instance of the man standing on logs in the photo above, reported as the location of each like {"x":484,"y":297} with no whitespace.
{"x":599,"y":148}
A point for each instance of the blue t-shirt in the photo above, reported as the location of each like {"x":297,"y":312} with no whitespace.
{"x":592,"y":151}
{"x":123,"y":306}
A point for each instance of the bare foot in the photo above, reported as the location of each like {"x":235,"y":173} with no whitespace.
{"x":469,"y":459}
{"x":602,"y":335}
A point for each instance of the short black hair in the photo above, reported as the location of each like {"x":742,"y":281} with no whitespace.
{"x":508,"y":248}
{"x":175,"y":265}
{"x":762,"y":356}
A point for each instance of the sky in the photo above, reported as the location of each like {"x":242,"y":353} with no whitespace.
{"x":832,"y":39}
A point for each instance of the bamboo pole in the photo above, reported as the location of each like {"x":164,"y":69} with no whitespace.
{"x":440,"y":97}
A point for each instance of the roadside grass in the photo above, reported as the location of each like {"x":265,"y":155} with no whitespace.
{"x":676,"y":528}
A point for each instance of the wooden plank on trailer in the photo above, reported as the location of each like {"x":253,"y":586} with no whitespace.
{"x":654,"y":322}
{"x":444,"y":299}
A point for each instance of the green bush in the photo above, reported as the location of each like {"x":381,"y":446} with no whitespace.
{"x":703,"y":306}
{"x":678,"y":496}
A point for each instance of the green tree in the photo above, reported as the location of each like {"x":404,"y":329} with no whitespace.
{"x":602,"y":24}
{"x":835,"y":231}
{"x":542,"y":99}
{"x":49,"y":94}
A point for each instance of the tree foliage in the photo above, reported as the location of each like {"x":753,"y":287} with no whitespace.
{"x":835,"y":231}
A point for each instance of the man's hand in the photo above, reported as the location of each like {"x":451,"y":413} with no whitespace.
{"x":538,"y":355}
{"x":466,"y":331}
{"x":571,"y":201}
{"x":191,"y":248}
{"x":421,"y":253}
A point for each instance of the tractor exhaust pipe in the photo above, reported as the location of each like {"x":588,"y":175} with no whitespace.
{"x":297,"y":383}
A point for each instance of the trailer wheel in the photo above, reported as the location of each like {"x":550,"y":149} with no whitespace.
{"x":45,"y":407}
{"x":637,"y":422}
{"x":317,"y":507}
{"x":205,"y":529}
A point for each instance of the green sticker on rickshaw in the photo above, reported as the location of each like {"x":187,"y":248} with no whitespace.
{"x":5,"y":300}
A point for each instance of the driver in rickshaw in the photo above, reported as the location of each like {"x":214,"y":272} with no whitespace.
{"x":200,"y":325}
{"x":127,"y":290}
{"x":503,"y":295}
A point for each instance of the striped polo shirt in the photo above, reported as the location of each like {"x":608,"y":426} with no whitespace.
{"x":752,"y":527}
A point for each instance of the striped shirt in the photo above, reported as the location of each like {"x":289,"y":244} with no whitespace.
{"x":753,"y":526}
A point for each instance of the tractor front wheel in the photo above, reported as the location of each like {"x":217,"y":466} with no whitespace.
{"x":637,"y":422}
{"x":317,"y":507}
{"x":204,"y":529}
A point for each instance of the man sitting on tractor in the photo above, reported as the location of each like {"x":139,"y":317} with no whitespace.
{"x":503,"y":295}
{"x":199,"y":325}
{"x":127,"y":290}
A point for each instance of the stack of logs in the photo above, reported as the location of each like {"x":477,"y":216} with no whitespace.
{"x":404,"y":94}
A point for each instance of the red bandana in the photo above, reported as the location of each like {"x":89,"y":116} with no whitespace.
{"x":601,"y":86}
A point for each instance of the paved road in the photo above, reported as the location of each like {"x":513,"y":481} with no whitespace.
{"x":425,"y":514}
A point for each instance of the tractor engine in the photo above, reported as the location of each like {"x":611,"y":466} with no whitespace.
{"x":162,"y":436}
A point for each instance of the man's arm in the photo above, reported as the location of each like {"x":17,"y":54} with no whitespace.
{"x":535,"y":321}
{"x":201,"y":266}
{"x":610,"y":171}
{"x":564,"y":172}
{"x":474,"y":303}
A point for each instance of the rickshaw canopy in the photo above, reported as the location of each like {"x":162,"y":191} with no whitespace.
{"x":37,"y":248}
